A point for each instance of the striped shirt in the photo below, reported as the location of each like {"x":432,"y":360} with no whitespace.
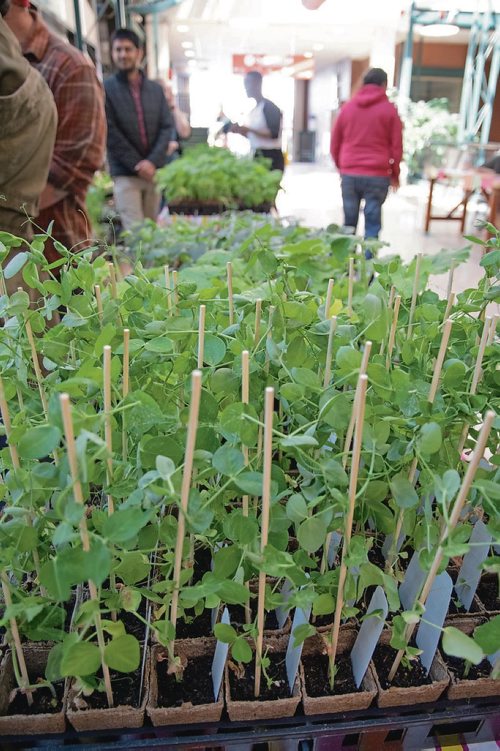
{"x":81,"y":132}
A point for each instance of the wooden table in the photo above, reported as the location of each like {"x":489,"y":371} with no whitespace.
{"x":469,"y":180}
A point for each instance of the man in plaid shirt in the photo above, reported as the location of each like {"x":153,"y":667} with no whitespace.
{"x":81,"y":131}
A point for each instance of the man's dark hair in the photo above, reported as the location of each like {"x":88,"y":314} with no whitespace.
{"x":125,"y":34}
{"x":4,"y":7}
{"x":376,"y":76}
{"x":254,"y":75}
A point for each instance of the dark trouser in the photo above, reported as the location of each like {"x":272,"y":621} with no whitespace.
{"x":374,"y":191}
{"x":275,"y":155}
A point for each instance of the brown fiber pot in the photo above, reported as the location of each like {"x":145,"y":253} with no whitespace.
{"x":466,"y":689}
{"x":187,"y":713}
{"x":341,"y":702}
{"x":111,"y":718}
{"x":397,"y":697}
{"x":263,"y":710}
{"x":36,"y":660}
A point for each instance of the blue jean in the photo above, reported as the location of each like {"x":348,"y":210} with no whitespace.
{"x":374,"y":191}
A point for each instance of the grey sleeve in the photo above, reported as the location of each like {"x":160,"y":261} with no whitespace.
{"x":272,"y":116}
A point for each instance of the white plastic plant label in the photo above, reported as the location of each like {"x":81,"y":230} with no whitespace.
{"x":436,"y":608}
{"x":220,"y":656}
{"x":293,"y":654}
{"x":387,"y":546}
{"x":470,"y":570}
{"x":368,"y":636}
{"x":413,"y":583}
{"x":333,"y":547}
{"x":283,"y":610}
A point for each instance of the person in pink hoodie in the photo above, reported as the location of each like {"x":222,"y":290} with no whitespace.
{"x":367,"y":147}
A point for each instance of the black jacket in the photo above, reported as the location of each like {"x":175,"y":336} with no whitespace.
{"x":125,"y":148}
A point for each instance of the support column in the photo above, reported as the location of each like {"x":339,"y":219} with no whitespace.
{"x":80,"y":42}
{"x":407,"y":61}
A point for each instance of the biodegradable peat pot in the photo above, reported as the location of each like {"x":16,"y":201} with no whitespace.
{"x":314,"y":650}
{"x":487,"y":594}
{"x":23,"y":723}
{"x":196,"y":655}
{"x":84,"y":717}
{"x":478,"y":683}
{"x":396,"y":696}
{"x":263,"y":708}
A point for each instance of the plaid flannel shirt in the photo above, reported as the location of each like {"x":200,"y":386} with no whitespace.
{"x":81,"y":133}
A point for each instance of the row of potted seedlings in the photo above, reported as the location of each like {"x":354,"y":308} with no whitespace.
{"x":270,"y":494}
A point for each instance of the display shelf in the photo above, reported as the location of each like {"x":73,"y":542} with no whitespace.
{"x":410,"y":730}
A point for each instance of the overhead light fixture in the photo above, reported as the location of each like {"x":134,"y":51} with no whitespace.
{"x":435,"y":30}
{"x":189,"y":53}
{"x":182,"y":28}
{"x":186,"y":45}
{"x":318,"y":47}
{"x":308,"y":54}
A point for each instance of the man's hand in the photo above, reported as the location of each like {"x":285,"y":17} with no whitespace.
{"x":242,"y":130}
{"x":172,"y":147}
{"x":145,"y":169}
{"x":394,"y":184}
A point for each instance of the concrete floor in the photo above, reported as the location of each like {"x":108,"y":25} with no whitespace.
{"x":312,"y":194}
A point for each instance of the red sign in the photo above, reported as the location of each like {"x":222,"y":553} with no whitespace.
{"x":294,"y":65}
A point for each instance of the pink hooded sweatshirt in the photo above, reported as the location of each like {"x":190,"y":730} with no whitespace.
{"x":367,"y":138}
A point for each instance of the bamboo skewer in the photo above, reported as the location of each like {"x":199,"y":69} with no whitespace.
{"x":266,"y":503}
{"x":245,"y":398}
{"x":453,"y":521}
{"x":258,"y":315}
{"x":391,"y":296}
{"x":328,"y":364}
{"x":201,"y":335}
{"x":392,"y":335}
{"x":229,"y":269}
{"x":84,"y":534}
{"x":25,"y":680}
{"x":449,"y":305}
{"x":98,"y":298}
{"x":125,"y":387}
{"x":328,"y":300}
{"x":108,"y":433}
{"x":350,"y":429}
{"x":112,"y":279}
{"x":449,"y":288}
{"x":414,"y":294}
{"x":168,"y":288}
{"x":175,"y":291}
{"x":350,"y":287}
{"x":36,"y":366}
{"x":493,"y":329}
{"x":185,"y":488}
{"x":476,"y":377}
{"x":359,"y":412}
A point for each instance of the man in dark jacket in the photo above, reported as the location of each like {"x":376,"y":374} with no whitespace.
{"x":366,"y":146}
{"x":140,"y":127}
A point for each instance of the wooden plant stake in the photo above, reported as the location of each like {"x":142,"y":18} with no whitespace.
{"x":98,"y":298}
{"x":328,"y":364}
{"x":448,"y":529}
{"x":4,"y":409}
{"x":175,"y":282}
{"x":449,"y":305}
{"x":112,"y":279}
{"x":414,"y":294}
{"x":3,"y":288}
{"x":271,"y":310}
{"x":245,"y":398}
{"x":392,"y":335}
{"x":125,"y":387}
{"x":413,"y":468}
{"x":350,"y":429}
{"x":350,"y":287}
{"x":493,"y":329}
{"x":84,"y":533}
{"x":266,"y":504}
{"x":201,"y":335}
{"x":194,"y":409}
{"x":25,"y":681}
{"x":476,"y":376}
{"x":328,"y":301}
{"x":258,"y":315}
{"x":449,"y":288}
{"x":229,"y":269}
{"x":391,"y":296}
{"x":36,"y":364}
{"x":108,"y":433}
{"x":168,"y":288}
{"x":359,"y":411}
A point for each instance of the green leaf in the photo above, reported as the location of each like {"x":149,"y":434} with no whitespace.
{"x":241,"y":529}
{"x":306,"y":377}
{"x":134,"y":567}
{"x":124,"y":525}
{"x":296,"y":508}
{"x":165,"y":467}
{"x":301,"y":633}
{"x":241,"y":650}
{"x":15,"y":264}
{"x":457,"y":644}
{"x":403,"y":492}
{"x":298,"y":440}
{"x":250,"y":482}
{"x":488,"y":635}
{"x":228,"y":460}
{"x":311,"y":533}
{"x":215,"y":350}
{"x":160,"y":344}
{"x":225,"y":633}
{"x":123,"y":654}
{"x":375,"y":314}
{"x":226,"y":561}
{"x":39,"y":441}
{"x":323,"y":604}
{"x":233,"y":593}
{"x":82,"y":658}
{"x":430,"y":438}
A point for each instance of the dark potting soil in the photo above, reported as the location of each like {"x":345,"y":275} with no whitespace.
{"x":242,"y":689}
{"x":237,"y":616}
{"x":192,"y":626}
{"x":456,"y":666}
{"x":487,"y":592}
{"x":376,"y":556}
{"x":133,"y":625}
{"x":43,"y":700}
{"x":125,"y":688}
{"x":195,"y":686}
{"x":317,"y":678}
{"x":415,"y":675}
{"x":202,"y":563}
